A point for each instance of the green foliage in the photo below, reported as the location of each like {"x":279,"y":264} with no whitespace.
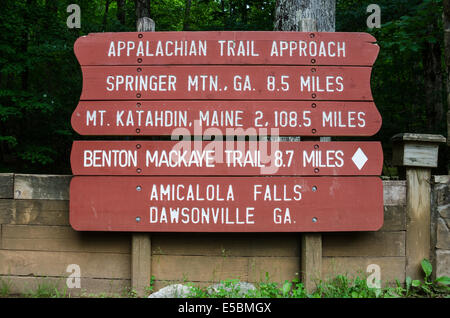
{"x":39,"y":82}
{"x":46,"y":289}
{"x":40,"y":79}
{"x":167,"y":14}
{"x":344,"y":287}
{"x":341,"y":286}
{"x":129,"y":292}
{"x":398,"y":76}
{"x":429,"y":287}
{"x":440,"y":287}
{"x":150,"y":288}
{"x":5,"y":287}
{"x":225,"y":289}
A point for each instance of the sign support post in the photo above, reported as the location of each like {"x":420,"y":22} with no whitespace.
{"x":419,"y":154}
{"x":141,"y":243}
{"x":311,"y":243}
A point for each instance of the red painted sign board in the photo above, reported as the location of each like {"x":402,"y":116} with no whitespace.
{"x":299,"y":118}
{"x":276,"y":48}
{"x":222,"y":158}
{"x":226,"y":204}
{"x":226,"y":82}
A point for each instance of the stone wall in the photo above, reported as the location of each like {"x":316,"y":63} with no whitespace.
{"x":441,"y":224}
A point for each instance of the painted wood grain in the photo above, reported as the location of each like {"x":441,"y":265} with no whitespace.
{"x":212,"y":117}
{"x":97,"y":204}
{"x":224,"y":158}
{"x":226,"y":82}
{"x":226,"y":47}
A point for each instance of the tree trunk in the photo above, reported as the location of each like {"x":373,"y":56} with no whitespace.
{"x":24,"y":45}
{"x":294,"y":15}
{"x":105,"y":16}
{"x":142,"y":9}
{"x":446,"y":17}
{"x":51,"y":8}
{"x":243,"y":9}
{"x":121,"y":11}
{"x":187,"y":15}
{"x":433,"y":84}
{"x":446,"y":4}
{"x":224,"y":17}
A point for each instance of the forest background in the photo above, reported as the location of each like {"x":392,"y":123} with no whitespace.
{"x":40,"y":78}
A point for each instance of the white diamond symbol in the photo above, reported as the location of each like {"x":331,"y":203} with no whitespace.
{"x":359,"y":158}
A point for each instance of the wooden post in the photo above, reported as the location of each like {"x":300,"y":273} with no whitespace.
{"x":141,"y":243}
{"x":311,"y":243}
{"x":320,"y":12}
{"x":418,"y":153}
{"x":145,"y":24}
{"x":141,"y":262}
{"x":311,"y":260}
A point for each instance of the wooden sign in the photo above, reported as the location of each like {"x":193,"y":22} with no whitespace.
{"x":226,"y":82}
{"x":164,"y":48}
{"x":224,"y":204}
{"x":228,"y":117}
{"x":221,"y":158}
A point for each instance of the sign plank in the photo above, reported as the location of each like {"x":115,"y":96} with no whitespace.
{"x":226,"y":117}
{"x":222,"y":158}
{"x":276,"y":48}
{"x":224,"y":204}
{"x":226,"y":82}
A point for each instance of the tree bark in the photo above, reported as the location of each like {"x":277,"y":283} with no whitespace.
{"x":433,"y":80}
{"x":187,"y":15}
{"x":105,"y":16}
{"x":291,"y":15}
{"x":446,"y":17}
{"x":142,"y":9}
{"x":446,"y":4}
{"x":243,"y":9}
{"x":24,"y":45}
{"x":224,"y":17}
{"x":121,"y":11}
{"x":143,"y":21}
